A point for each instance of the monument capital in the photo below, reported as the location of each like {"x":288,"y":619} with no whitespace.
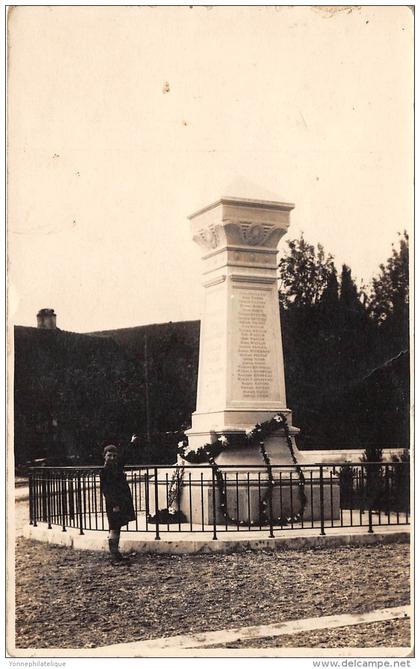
{"x":244,"y":223}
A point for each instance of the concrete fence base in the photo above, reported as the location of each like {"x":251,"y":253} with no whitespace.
{"x":228,"y":542}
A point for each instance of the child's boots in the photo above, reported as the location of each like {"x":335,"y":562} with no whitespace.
{"x":114,"y":550}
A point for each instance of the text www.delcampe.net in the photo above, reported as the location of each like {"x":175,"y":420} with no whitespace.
{"x":362,"y":664}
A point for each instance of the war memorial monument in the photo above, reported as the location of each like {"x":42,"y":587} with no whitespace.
{"x":241,"y":381}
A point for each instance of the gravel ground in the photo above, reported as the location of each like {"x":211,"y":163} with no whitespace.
{"x":390,"y":634}
{"x":77,"y":599}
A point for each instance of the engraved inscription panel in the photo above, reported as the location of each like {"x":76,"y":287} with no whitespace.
{"x":255,"y":367}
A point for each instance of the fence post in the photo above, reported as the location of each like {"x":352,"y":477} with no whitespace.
{"x":157,"y":537}
{"x":85,"y":510}
{"x":321,"y":498}
{"x":406,"y":479}
{"x":63,"y":501}
{"x":214,"y":502}
{"x":35,"y":493}
{"x":79,"y":503}
{"x":270,"y":502}
{"x":48,"y":493}
{"x":31,"y":512}
{"x":371,"y":491}
{"x":43,"y":498}
{"x":370,"y":530}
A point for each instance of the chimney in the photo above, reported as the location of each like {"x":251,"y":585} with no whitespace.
{"x":46,"y":319}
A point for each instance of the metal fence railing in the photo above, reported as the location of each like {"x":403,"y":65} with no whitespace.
{"x":240,"y":498}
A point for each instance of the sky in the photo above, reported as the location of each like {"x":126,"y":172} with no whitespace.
{"x":123,"y":121}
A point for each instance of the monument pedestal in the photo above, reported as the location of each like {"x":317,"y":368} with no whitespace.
{"x":245,"y":488}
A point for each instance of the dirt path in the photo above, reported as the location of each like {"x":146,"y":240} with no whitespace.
{"x":66,"y":598}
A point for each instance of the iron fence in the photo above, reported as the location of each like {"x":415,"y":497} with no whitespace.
{"x":239,"y":498}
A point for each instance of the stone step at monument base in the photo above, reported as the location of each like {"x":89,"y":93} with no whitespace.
{"x":233,"y":424}
{"x":236,"y":419}
{"x":276,"y":447}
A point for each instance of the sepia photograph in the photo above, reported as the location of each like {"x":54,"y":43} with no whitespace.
{"x":210,"y":216}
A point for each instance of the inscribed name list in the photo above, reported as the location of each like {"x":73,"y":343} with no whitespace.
{"x":254,"y":371}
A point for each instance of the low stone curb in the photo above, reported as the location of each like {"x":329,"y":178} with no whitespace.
{"x":188,"y":543}
{"x":21,"y":495}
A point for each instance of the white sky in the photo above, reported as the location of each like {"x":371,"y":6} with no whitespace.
{"x":104,"y":167}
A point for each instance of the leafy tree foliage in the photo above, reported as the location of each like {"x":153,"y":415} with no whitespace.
{"x":332,"y":345}
{"x":304,"y":273}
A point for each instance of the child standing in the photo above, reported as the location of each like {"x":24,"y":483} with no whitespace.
{"x":118,"y":499}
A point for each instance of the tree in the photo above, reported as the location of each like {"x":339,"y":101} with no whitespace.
{"x":349,"y":294}
{"x":330,"y":297}
{"x":331,"y":345}
{"x":309,"y":300}
{"x":304,"y":273}
{"x":388,"y":299}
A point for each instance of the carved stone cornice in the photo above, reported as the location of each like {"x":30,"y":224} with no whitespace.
{"x":208,"y":238}
{"x":215,"y":281}
{"x":245,"y":278}
{"x":243,"y":223}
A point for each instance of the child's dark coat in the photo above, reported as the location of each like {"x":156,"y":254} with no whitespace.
{"x":116,"y":491}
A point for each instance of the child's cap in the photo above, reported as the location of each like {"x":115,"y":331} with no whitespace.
{"x":110,"y":449}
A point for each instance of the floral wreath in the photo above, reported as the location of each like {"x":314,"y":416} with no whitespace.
{"x":209,"y":451}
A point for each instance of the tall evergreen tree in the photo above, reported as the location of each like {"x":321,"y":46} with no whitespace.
{"x":332,"y":345}
{"x":330,"y":295}
{"x":349,"y":294}
{"x":330,"y":301}
{"x":388,"y":300}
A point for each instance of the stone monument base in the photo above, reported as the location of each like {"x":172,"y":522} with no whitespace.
{"x":245,"y":490}
{"x":276,"y":447}
{"x":245,"y":481}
